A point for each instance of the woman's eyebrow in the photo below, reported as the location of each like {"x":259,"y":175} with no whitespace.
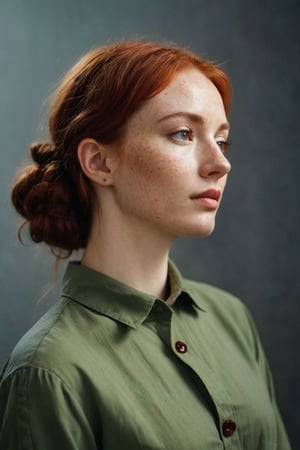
{"x":192,"y":117}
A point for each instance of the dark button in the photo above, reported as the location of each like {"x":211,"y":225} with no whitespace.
{"x":181,"y":347}
{"x":229,"y":427}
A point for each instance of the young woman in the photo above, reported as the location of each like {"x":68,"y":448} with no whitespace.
{"x":133,"y":356}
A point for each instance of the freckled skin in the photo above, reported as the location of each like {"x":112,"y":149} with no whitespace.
{"x":158,"y":173}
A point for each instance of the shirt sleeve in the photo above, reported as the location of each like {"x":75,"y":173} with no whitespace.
{"x":282,"y":439}
{"x":39,"y":412}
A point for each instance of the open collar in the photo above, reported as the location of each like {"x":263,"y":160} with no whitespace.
{"x":119,"y":301}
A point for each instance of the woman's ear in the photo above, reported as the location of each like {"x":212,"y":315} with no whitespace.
{"x":97,"y":161}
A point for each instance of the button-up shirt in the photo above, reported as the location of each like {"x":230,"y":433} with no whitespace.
{"x":109,"y":367}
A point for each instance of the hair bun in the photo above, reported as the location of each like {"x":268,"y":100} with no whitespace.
{"x":37,"y":200}
{"x":43,"y":196}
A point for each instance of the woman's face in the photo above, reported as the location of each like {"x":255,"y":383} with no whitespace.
{"x":172,"y":169}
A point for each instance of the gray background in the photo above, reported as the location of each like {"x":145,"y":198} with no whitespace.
{"x":254,"y":250}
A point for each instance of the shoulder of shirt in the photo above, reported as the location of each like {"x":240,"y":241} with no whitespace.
{"x":50,"y":343}
{"x":59,"y":340}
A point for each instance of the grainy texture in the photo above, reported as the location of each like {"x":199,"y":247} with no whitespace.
{"x":254,"y":250}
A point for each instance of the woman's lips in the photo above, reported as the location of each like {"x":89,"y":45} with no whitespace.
{"x":209,"y":198}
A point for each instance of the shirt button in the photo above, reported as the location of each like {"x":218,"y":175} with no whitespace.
{"x":229,"y":427}
{"x":181,"y":347}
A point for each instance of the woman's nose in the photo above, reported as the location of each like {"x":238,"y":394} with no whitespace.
{"x":213,"y":162}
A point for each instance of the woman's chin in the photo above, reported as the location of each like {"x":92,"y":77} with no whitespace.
{"x":198,"y":230}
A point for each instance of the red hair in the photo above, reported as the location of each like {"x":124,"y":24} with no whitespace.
{"x":95,"y":99}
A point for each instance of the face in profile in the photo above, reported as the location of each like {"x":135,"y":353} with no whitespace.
{"x":173,"y":169}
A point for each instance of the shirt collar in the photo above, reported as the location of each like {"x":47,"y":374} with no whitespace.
{"x":117,"y":300}
{"x":181,"y":285}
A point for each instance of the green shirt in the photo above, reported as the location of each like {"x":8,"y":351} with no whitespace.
{"x":109,"y":367}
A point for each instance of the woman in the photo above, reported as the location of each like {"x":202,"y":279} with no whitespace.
{"x":133,"y":356}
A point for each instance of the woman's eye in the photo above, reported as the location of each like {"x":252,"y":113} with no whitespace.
{"x":223,"y":145}
{"x":182,"y":135}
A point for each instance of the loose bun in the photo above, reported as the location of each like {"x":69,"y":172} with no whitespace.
{"x":43,"y":195}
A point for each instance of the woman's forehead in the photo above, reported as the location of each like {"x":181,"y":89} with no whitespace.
{"x":189,"y":93}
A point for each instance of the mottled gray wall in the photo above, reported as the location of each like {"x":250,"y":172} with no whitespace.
{"x":254,"y":250}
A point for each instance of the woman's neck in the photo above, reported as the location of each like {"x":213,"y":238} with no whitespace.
{"x":131,"y":255}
